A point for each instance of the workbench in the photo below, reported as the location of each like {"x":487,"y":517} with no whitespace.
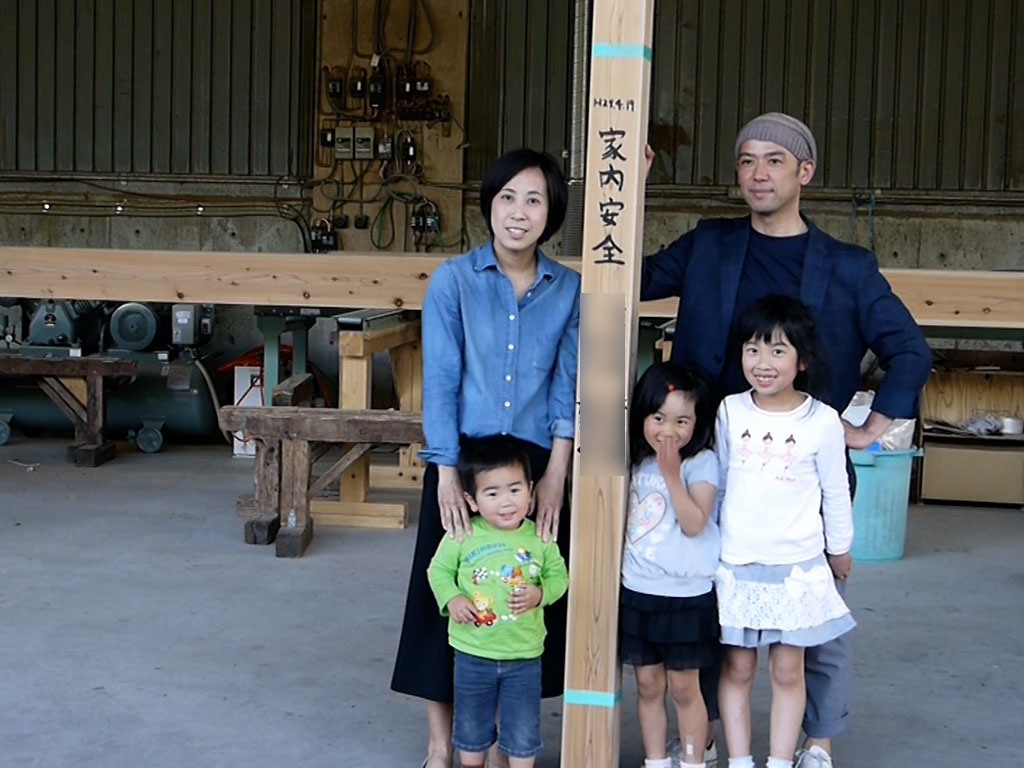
{"x":76,"y":386}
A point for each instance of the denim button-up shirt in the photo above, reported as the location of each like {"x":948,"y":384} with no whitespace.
{"x":492,"y":364}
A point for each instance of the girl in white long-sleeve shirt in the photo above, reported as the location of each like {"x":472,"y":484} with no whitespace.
{"x":784,"y":507}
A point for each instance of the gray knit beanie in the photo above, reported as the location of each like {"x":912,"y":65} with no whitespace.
{"x":783,"y":130}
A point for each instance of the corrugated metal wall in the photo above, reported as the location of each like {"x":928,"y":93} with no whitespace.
{"x":914,"y":94}
{"x":519,"y":78}
{"x":189,"y":87}
{"x":902,"y":94}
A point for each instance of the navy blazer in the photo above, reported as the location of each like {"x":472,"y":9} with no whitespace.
{"x":853,"y":306}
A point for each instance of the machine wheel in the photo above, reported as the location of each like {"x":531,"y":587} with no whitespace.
{"x":149,"y":439}
{"x":5,"y":432}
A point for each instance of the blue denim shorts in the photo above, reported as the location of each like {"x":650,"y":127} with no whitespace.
{"x":510,"y":688}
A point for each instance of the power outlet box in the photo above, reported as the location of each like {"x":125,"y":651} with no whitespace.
{"x":364,"y":142}
{"x":344,"y":143}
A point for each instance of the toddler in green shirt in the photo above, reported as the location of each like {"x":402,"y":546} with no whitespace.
{"x":493,"y":587}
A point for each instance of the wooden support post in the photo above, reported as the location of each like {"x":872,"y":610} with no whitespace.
{"x":356,"y":386}
{"x":90,"y":449}
{"x":95,"y":408}
{"x":407,"y":373}
{"x":612,"y":253}
{"x":264,"y":513}
{"x":355,"y":363}
{"x":292,"y":540}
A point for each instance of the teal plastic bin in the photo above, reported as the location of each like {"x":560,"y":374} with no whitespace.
{"x":880,"y":504}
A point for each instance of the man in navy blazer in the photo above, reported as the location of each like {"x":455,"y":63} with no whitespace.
{"x":722,"y":266}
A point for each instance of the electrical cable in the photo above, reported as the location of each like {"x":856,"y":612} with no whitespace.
{"x":213,"y":395}
{"x":354,"y":28}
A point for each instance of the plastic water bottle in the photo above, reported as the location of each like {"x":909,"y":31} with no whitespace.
{"x":291,"y":518}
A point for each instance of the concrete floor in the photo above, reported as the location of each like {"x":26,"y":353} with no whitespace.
{"x":139,"y":630}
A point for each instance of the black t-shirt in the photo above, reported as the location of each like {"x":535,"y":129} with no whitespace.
{"x":773,"y":265}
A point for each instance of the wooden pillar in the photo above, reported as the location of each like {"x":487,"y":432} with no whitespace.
{"x":355,"y":363}
{"x":356,"y":384}
{"x":612,"y":253}
{"x":407,"y":373}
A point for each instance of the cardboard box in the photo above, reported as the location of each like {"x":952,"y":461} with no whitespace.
{"x":980,"y":473}
{"x":248,"y":391}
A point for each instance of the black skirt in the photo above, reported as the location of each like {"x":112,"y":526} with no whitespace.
{"x":678,"y":632}
{"x":425,"y":662}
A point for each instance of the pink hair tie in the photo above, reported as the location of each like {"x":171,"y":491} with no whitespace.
{"x":671,"y":387}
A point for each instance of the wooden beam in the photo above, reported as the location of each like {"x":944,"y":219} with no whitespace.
{"x":267,"y":279}
{"x":359,"y":514}
{"x":297,"y":389}
{"x":940,"y":298}
{"x":337,"y":468}
{"x":24,"y":365}
{"x":323,"y":424}
{"x":65,"y":400}
{"x":612,"y":253}
{"x":361,"y":343}
{"x":955,"y":299}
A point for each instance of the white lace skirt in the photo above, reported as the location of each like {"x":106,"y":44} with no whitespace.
{"x":793,"y":604}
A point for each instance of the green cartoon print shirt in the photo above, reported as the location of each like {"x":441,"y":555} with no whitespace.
{"x":486,"y":567}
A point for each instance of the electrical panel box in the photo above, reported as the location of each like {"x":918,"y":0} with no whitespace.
{"x":357,"y":84}
{"x":336,"y":88}
{"x":364,"y":142}
{"x":184,"y":324}
{"x":375,"y":92}
{"x":344,"y":143}
{"x":385,"y":147}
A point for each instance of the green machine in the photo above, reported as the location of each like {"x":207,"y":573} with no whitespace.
{"x":172,"y":394}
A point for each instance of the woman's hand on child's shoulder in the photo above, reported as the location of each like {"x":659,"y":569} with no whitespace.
{"x":524,"y":597}
{"x":461,"y":609}
{"x":452,"y":504}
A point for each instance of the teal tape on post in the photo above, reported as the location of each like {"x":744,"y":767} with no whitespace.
{"x":621,"y":51}
{"x":592,"y":698}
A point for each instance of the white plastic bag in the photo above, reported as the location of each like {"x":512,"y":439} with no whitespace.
{"x":898,"y":436}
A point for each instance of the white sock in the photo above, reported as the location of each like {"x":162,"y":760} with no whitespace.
{"x":661,"y":762}
{"x":747,"y":761}
{"x":693,"y":765}
{"x":778,"y":762}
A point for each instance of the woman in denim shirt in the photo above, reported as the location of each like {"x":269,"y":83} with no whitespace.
{"x":500,"y":330}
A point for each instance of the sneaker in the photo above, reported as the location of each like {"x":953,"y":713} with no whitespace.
{"x":675,"y":751}
{"x":815,"y":757}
